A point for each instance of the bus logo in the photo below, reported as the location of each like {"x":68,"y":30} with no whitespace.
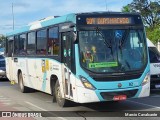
{"x":119,"y":85}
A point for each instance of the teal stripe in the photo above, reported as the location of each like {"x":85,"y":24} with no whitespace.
{"x":44,"y":81}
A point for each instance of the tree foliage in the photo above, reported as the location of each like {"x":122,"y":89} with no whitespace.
{"x":150,"y":12}
{"x":2,"y":41}
{"x":153,"y":34}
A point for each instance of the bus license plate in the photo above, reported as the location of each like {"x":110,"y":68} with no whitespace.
{"x":119,"y":97}
{"x":157,"y":86}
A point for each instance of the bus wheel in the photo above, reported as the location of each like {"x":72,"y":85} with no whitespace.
{"x":23,"y":88}
{"x":62,"y":102}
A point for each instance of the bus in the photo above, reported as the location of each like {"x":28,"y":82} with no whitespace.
{"x":82,"y":57}
{"x":154,"y":56}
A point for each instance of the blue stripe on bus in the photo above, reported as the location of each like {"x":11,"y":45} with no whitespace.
{"x":44,"y":81}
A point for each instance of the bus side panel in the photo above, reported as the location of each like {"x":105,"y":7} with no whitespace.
{"x":68,"y":84}
{"x":15,"y":67}
{"x":31,"y":73}
{"x":26,"y":66}
{"x":44,"y":69}
{"x":8,"y":68}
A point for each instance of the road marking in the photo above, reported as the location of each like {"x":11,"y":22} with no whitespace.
{"x":144,"y":104}
{"x":44,"y":110}
{"x":35,"y":106}
{"x":155,"y":96}
{"x":49,"y":101}
{"x":4,"y":100}
{"x":7,"y":103}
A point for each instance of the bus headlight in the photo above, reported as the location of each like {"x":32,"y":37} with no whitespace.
{"x":146,"y":79}
{"x":86,"y":83}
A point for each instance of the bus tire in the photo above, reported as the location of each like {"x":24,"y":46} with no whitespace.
{"x":23,"y":88}
{"x":62,"y":102}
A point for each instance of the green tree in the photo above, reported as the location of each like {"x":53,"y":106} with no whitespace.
{"x":126,"y":9}
{"x":2,"y":41}
{"x":153,"y":34}
{"x":150,"y":12}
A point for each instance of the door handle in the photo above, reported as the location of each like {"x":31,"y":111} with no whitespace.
{"x":15,"y":59}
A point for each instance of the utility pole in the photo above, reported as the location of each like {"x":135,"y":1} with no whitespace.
{"x":106,"y":4}
{"x":13,"y":16}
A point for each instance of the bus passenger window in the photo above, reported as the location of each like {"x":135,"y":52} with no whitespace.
{"x":10,"y":46}
{"x":16,"y":45}
{"x":22,"y":46}
{"x":53,"y":41}
{"x":31,"y":43}
{"x":41,"y":42}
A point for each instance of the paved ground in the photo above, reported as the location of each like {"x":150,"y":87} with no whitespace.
{"x":11,"y":99}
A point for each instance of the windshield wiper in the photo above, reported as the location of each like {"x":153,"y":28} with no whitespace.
{"x":122,"y":41}
{"x":128,"y":64}
{"x":124,"y":37}
{"x":105,"y":41}
{"x":109,"y":46}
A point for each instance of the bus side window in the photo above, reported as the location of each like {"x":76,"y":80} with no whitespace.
{"x":41,"y":42}
{"x":6,"y":47}
{"x":22,"y":46}
{"x":53,"y":41}
{"x":31,"y":43}
{"x":16,"y":45}
{"x":10,"y":46}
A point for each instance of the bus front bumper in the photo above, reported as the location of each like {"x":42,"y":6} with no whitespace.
{"x":86,"y":96}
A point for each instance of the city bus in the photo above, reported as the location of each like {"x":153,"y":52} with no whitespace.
{"x":82,"y":57}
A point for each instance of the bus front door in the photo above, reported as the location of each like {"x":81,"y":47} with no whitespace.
{"x":67,"y":43}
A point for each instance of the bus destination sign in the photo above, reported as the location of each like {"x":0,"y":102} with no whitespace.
{"x":108,"y":21}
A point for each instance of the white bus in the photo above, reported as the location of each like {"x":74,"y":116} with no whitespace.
{"x":154,"y":56}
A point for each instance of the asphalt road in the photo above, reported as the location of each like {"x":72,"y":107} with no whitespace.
{"x":11,"y":99}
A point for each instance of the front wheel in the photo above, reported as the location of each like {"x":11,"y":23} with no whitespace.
{"x":62,"y":102}
{"x":23,"y":88}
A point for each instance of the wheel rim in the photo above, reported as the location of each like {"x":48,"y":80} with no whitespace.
{"x":59,"y":95}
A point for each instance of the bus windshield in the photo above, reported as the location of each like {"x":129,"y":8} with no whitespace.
{"x":112,"y":51}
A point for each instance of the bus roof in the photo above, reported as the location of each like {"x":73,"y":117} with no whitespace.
{"x":107,"y":13}
{"x":62,"y":19}
{"x":40,"y":24}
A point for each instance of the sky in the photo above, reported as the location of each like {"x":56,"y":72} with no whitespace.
{"x":27,"y":11}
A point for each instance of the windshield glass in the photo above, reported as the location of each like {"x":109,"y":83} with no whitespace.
{"x":112,"y":50}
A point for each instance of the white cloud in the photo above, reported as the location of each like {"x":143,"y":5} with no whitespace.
{"x":26,"y":11}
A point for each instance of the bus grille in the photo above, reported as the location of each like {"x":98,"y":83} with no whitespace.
{"x":110,"y":95}
{"x":103,"y":78}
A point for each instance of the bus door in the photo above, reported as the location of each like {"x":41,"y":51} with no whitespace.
{"x":10,"y":60}
{"x":66,"y":69}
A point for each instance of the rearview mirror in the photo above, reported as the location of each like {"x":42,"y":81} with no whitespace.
{"x":74,"y":34}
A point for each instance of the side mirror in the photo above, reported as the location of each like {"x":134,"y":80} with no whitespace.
{"x":74,"y":34}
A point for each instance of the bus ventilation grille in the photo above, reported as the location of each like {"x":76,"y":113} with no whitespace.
{"x":110,"y":95}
